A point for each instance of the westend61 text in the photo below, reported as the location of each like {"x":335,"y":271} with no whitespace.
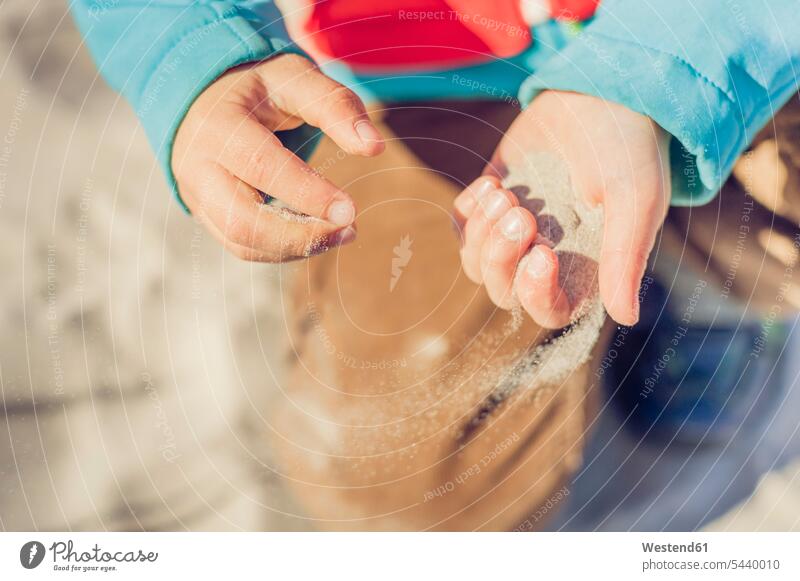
{"x":672,"y":548}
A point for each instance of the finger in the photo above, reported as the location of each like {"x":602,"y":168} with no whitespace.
{"x":465,"y":203}
{"x":629,"y":234}
{"x":538,"y":290}
{"x":253,"y":154}
{"x":253,"y":231}
{"x":302,"y":90}
{"x":509,"y":240}
{"x":491,"y":206}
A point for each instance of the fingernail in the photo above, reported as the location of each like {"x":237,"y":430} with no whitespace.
{"x":513,"y":227}
{"x":367,"y":132}
{"x":465,"y":203}
{"x":341,"y":212}
{"x":496,"y":205}
{"x":484,"y":188}
{"x":344,"y":236}
{"x":538,"y":263}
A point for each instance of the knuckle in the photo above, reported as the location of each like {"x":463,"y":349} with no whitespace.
{"x":260,"y":162}
{"x":342,"y":102}
{"x":289,"y":61}
{"x":238,"y":231}
{"x":495,"y":256}
{"x":496,"y":262}
{"x":475,"y":230}
{"x":297,"y":60}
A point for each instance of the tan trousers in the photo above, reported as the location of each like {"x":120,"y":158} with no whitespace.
{"x":395,"y":416}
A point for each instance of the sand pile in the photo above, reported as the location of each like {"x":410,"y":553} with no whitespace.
{"x":574,"y":230}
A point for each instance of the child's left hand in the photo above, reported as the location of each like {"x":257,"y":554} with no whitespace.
{"x":616,"y":157}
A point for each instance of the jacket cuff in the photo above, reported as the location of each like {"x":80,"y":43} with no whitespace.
{"x":191,"y":65}
{"x":708,"y":134}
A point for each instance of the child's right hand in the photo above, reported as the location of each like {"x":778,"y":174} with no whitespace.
{"x":226,"y":152}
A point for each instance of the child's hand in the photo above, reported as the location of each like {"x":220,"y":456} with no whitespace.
{"x":226,"y":153}
{"x":616,"y":157}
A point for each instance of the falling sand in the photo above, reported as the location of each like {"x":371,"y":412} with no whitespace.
{"x":574,"y":231}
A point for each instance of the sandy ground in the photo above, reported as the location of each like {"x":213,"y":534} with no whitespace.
{"x":124,"y":324}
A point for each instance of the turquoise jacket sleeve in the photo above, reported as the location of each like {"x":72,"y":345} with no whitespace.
{"x":710,"y":72}
{"x":161,"y":54}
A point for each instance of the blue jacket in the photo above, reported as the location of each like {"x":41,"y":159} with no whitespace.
{"x":710,"y":72}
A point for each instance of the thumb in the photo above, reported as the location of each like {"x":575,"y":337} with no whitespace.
{"x":631,"y":225}
{"x":302,"y":90}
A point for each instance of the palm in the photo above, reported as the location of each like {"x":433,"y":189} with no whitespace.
{"x":616,"y":157}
